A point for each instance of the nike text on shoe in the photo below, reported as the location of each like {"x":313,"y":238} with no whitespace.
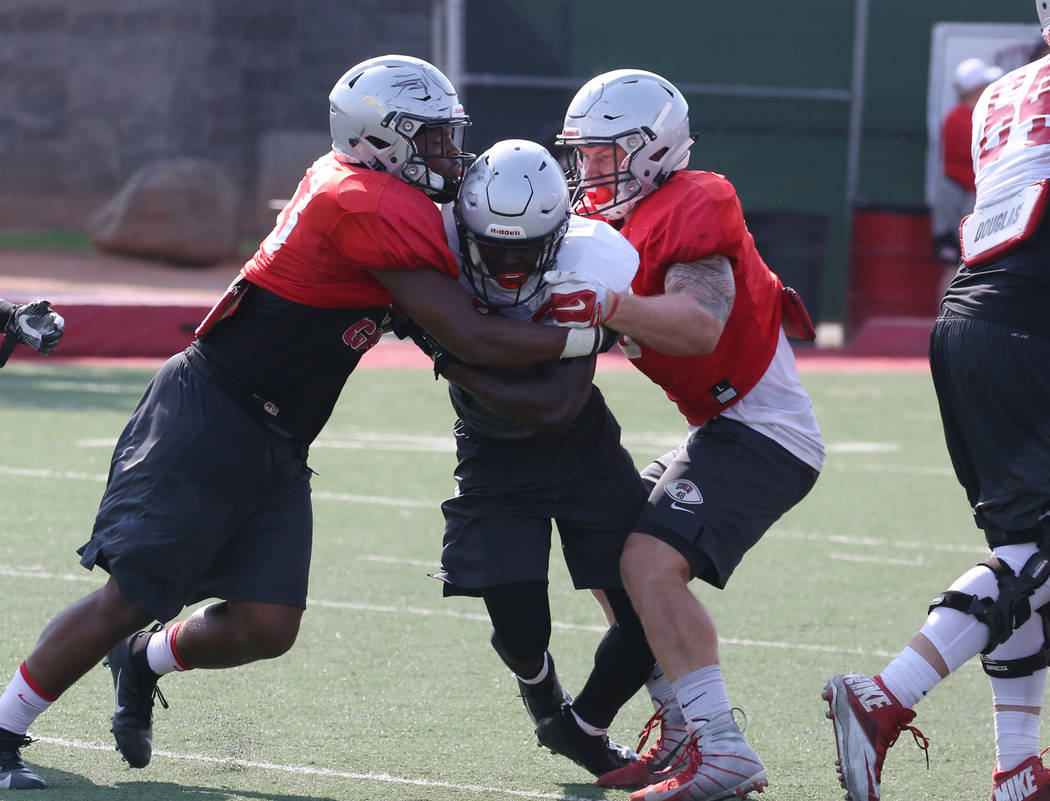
{"x":659,"y":762}
{"x":135,"y":690}
{"x":594,"y":753}
{"x":726,"y":767}
{"x":1029,"y":781}
{"x":867,"y":720}
{"x":14,"y":775}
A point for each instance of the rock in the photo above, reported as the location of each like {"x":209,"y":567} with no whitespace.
{"x":181,"y":211}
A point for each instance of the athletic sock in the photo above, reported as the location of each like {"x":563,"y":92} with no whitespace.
{"x":22,"y":702}
{"x":161,"y":653}
{"x":542,"y":674}
{"x":909,"y":677}
{"x":594,"y":731}
{"x":1016,"y":738}
{"x":703,"y":698}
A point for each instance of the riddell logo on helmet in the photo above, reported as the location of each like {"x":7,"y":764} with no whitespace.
{"x":505,"y":231}
{"x":570,"y":132}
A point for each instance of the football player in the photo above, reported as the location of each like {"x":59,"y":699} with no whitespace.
{"x":705,"y":319}
{"x":34,"y":324}
{"x":209,"y":489}
{"x":536,"y":446}
{"x":988,"y":355}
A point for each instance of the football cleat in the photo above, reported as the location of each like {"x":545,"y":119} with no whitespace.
{"x":1029,"y":781}
{"x":135,"y":690}
{"x":725,"y":767}
{"x":545,"y":698}
{"x":597,"y":754}
{"x":659,"y":762}
{"x":14,"y":775}
{"x":867,"y":720}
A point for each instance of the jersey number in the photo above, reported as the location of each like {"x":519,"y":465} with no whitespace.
{"x":1031,"y":112}
{"x":289,"y":216}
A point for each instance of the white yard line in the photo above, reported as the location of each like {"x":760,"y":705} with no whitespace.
{"x":301,"y":770}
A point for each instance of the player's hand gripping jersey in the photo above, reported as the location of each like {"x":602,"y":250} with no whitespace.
{"x":307,"y":301}
{"x":589,"y":247}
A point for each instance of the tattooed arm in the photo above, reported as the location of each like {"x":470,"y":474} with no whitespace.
{"x":689,"y":317}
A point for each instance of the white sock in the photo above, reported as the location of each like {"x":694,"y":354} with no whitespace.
{"x":1016,"y":738}
{"x":542,"y":674}
{"x":703,"y":698}
{"x":22,"y":702}
{"x":909,"y":677}
{"x":161,"y":653}
{"x":662,"y":694}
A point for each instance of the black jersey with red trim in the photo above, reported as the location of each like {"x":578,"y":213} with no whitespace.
{"x":313,"y":307}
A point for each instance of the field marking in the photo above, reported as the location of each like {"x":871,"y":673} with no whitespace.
{"x":918,"y":561}
{"x":33,"y":572}
{"x":876,"y":542}
{"x":904,"y":470}
{"x":327,"y":772}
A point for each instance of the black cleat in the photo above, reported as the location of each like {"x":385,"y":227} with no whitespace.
{"x":545,"y":698}
{"x":135,"y":690}
{"x":14,"y":775}
{"x":596,"y":754}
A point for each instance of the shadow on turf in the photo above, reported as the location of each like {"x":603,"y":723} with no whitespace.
{"x":37,"y":389}
{"x":60,"y":781}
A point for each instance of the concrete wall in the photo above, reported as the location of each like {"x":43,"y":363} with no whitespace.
{"x":93,"y":89}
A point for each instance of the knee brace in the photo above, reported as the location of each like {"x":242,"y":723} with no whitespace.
{"x":1004,"y":614}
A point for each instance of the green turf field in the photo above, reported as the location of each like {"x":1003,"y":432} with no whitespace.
{"x":394,"y":693}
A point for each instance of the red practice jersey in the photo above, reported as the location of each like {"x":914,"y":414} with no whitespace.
{"x":312,"y":308}
{"x":693,"y":215}
{"x":342,"y":222}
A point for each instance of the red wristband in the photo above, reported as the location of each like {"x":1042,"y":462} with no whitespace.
{"x":613,"y":305}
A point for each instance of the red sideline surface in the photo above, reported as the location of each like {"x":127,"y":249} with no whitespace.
{"x":137,"y":330}
{"x":391,"y":354}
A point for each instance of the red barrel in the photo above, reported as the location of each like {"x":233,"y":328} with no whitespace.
{"x":893,"y":272}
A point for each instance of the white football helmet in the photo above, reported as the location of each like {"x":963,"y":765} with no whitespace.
{"x":380,"y":105}
{"x":643,"y":114}
{"x":511,"y":215}
{"x":1042,"y":8}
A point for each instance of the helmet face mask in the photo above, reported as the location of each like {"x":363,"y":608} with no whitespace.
{"x":511,"y":216}
{"x":384,"y":113}
{"x":644,"y":116}
{"x":1042,"y":8}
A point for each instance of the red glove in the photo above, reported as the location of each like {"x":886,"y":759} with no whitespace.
{"x":578,"y":301}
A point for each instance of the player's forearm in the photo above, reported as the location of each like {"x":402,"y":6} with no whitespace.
{"x":674,"y":324}
{"x":526,"y":399}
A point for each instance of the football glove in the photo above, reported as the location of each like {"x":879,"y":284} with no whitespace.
{"x":404,"y":327}
{"x":34,"y":324}
{"x":577,"y":300}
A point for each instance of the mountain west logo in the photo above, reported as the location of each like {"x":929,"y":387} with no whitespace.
{"x":684,"y":491}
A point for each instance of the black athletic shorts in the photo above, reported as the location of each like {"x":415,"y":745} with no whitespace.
{"x":993,"y":388}
{"x":713,"y":497}
{"x":498,"y":525}
{"x":203,"y":501}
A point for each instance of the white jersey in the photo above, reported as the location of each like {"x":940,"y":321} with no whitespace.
{"x":1011,"y":133}
{"x":779,"y":407}
{"x":590,"y":247}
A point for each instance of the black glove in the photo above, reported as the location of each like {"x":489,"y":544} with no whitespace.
{"x":34,"y":324}
{"x":608,"y":340}
{"x":404,"y":327}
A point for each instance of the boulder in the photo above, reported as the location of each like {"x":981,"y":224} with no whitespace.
{"x":181,"y":211}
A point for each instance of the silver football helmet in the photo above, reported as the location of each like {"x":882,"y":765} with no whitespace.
{"x":1042,"y":8}
{"x":643,"y":120}
{"x":378,"y":110}
{"x":511,"y":215}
